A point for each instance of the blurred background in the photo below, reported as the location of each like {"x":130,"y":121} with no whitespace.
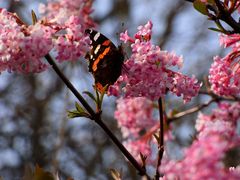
{"x":34,"y":128}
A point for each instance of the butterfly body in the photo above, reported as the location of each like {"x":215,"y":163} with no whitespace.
{"x":105,"y":60}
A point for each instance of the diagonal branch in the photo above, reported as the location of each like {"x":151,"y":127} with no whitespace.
{"x":189,"y":111}
{"x":97,"y":118}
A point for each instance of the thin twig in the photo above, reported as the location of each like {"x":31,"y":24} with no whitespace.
{"x":219,"y":98}
{"x":189,"y":111}
{"x":160,"y":138}
{"x":215,"y":98}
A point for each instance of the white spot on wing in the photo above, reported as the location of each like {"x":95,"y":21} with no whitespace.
{"x":97,"y":49}
{"x":96,"y":36}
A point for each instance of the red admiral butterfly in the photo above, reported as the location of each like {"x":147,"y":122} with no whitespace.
{"x":105,"y":60}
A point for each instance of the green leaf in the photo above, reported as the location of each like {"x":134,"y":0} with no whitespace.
{"x":103,"y":93}
{"x":79,"y":108}
{"x":211,"y":2}
{"x":97,"y":95}
{"x":115,"y":174}
{"x":215,"y":29}
{"x":34,"y":17}
{"x":38,"y":174}
{"x":156,"y":136}
{"x":75,"y":113}
{"x":78,"y":112}
{"x":173,"y":112}
{"x":90,"y":95}
{"x":72,"y":114}
{"x":200,"y":7}
{"x":100,"y":98}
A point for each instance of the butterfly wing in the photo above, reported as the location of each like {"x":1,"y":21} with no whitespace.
{"x":105,"y":60}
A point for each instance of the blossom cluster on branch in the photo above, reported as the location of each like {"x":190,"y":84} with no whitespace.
{"x":148,"y":72}
{"x":224,"y":74}
{"x":22,"y":46}
{"x":207,"y":156}
{"x":148,"y":75}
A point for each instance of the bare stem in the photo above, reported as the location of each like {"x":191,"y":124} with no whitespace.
{"x":189,"y":111}
{"x":219,"y":98}
{"x":160,"y":138}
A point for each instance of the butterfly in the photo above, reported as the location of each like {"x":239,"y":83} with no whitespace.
{"x":105,"y":60}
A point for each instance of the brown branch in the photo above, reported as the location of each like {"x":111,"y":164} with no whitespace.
{"x":219,"y":98}
{"x":215,"y":98}
{"x":226,"y":16}
{"x":160,"y":138}
{"x":96,"y":117}
{"x":189,"y":111}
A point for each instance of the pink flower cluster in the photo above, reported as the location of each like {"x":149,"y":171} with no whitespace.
{"x":23,"y":47}
{"x":135,"y":118}
{"x":204,"y":159}
{"x":146,"y":78}
{"x":59,"y":11}
{"x":134,"y":115}
{"x":147,"y":70}
{"x":74,"y":43}
{"x":72,"y":18}
{"x":224,"y":74}
{"x":137,"y":147}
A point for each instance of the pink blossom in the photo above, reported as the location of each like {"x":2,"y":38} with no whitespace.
{"x":144,"y":32}
{"x":224,"y":76}
{"x":134,"y":115}
{"x":125,"y":38}
{"x":185,"y":86}
{"x":74,"y":43}
{"x":204,"y":159}
{"x":225,"y":112}
{"x":22,"y":47}
{"x":137,"y":147}
{"x":59,"y":11}
{"x":147,"y":70}
{"x":70,"y":19}
{"x":135,"y":118}
{"x":229,"y":40}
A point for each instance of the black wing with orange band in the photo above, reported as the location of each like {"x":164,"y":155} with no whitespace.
{"x":105,"y":60}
